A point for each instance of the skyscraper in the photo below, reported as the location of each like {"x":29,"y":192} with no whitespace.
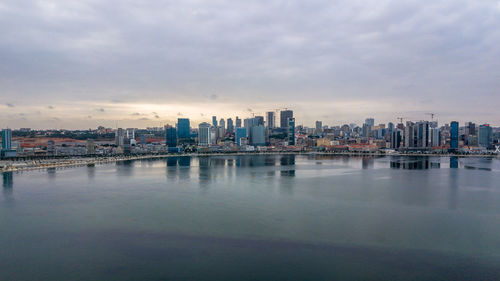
{"x":259,"y":120}
{"x":370,"y":121}
{"x":171,"y":136}
{"x":120,"y":137}
{"x":204,"y":134}
{"x":214,"y":121}
{"x":222,"y":123}
{"x":319,"y":127}
{"x":6,"y":139}
{"x":454,"y":135}
{"x":238,"y":122}
{"x":423,"y":134}
{"x":291,"y":131}
{"x":183,"y":128}
{"x":230,"y":125}
{"x":258,"y":135}
{"x":395,"y":139}
{"x":240,"y":133}
{"x":284,"y":116}
{"x":485,"y":135}
{"x":271,"y":120}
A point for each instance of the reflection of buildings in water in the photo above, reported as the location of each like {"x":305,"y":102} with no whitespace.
{"x":8,"y":186}
{"x":51,"y":173}
{"x":124,"y":168}
{"x":367,"y":162}
{"x":172,"y":161}
{"x":414,"y":164}
{"x":288,"y":161}
{"x":204,"y":173}
{"x":90,"y":171}
{"x":453,"y":162}
{"x":8,"y":180}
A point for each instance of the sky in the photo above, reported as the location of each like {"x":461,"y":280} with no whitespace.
{"x":119,"y":63}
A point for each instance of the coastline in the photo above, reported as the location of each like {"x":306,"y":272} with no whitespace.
{"x":38,"y":164}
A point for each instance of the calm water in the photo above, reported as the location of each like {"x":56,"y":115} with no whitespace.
{"x":254,"y":218}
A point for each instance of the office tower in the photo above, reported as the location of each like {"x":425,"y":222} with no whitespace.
{"x":204,"y":134}
{"x":433,"y":124}
{"x":435,"y":137}
{"x":222,"y":123}
{"x":471,"y":128}
{"x":240,"y":133}
{"x":230,"y":125}
{"x":271,"y":120}
{"x":130,"y":133}
{"x":143,"y":140}
{"x":51,"y":148}
{"x":291,"y":131}
{"x":183,"y":128}
{"x":485,"y":135}
{"x":319,"y":127}
{"x":120,"y":137}
{"x":454,"y":135}
{"x":214,"y":134}
{"x":238,"y":122}
{"x":258,"y":135}
{"x":284,"y":116}
{"x":367,"y":130}
{"x":423,"y":134}
{"x":409,"y":135}
{"x":395,"y":139}
{"x":6,"y":139}
{"x":259,"y":120}
{"x":390,"y":127}
{"x":214,"y":121}
{"x":170,"y":136}
{"x":370,"y":121}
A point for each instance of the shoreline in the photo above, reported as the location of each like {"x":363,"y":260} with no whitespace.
{"x":82,"y":161}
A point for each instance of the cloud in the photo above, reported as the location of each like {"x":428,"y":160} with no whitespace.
{"x":135,"y":114}
{"x":112,"y":54}
{"x":157,"y":117}
{"x":144,"y":119}
{"x":9,"y":105}
{"x":100,"y":109}
{"x":50,"y":107}
{"x":89,"y":116}
{"x":249,"y":110}
{"x":179,"y":114}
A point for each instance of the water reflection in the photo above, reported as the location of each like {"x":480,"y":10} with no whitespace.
{"x":51,"y":173}
{"x":8,"y":184}
{"x":125,"y":168}
{"x":415,"y":164}
{"x":453,"y":162}
{"x":288,"y":161}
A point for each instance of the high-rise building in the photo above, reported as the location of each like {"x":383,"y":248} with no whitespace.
{"x":485,"y":135}
{"x":409,"y":135}
{"x":222,"y":123}
{"x":319,"y":127}
{"x":183,"y":128}
{"x":454,"y":135}
{"x":214,"y":121}
{"x":271,"y":120}
{"x":120,"y":137}
{"x":395,"y":139}
{"x":423,"y":134}
{"x":170,"y":136}
{"x":130,"y":133}
{"x":390,"y":127}
{"x":367,"y":130}
{"x":230,"y":125}
{"x":204,"y":134}
{"x":238,"y":122}
{"x":284,"y":116}
{"x":259,"y":120}
{"x":435,"y":137}
{"x":240,"y":133}
{"x":291,"y":131}
{"x":258,"y":135}
{"x":6,"y":139}
{"x":370,"y":121}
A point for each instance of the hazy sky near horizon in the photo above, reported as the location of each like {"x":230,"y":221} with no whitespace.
{"x":79,"y":64}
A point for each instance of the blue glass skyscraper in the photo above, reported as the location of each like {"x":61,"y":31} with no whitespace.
{"x":454,"y":135}
{"x":240,"y":133}
{"x":183,"y":128}
{"x":171,"y":136}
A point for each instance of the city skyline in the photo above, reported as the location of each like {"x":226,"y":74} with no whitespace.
{"x":77,"y":65}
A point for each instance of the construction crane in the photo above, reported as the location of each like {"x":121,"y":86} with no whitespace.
{"x":432,"y":115}
{"x":401,"y":119}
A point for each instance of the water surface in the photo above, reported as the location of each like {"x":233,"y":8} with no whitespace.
{"x":254,"y":217}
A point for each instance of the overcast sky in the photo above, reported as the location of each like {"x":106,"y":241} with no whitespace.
{"x":79,"y":64}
